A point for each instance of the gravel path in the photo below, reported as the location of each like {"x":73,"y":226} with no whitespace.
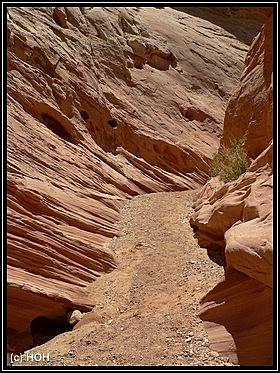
{"x":146,"y":311}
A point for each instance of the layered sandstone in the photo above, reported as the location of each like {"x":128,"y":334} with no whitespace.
{"x":234,"y":220}
{"x":104,"y":104}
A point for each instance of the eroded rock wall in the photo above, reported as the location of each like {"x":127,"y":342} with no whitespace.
{"x":234,"y":221}
{"x":103,"y":104}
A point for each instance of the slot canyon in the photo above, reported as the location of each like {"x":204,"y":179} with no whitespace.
{"x":122,"y":248}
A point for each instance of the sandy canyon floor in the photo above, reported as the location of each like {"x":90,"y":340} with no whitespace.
{"x":146,"y":311}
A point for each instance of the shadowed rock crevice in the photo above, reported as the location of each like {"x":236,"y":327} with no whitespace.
{"x":113,"y":123}
{"x":44,"y":329}
{"x":84,"y":114}
{"x":56,"y":127}
{"x":59,"y":17}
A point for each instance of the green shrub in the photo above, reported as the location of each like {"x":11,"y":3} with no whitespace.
{"x":230,"y":162}
{"x":122,"y":16}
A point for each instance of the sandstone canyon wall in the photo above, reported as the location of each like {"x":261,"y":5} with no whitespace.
{"x":103,"y":104}
{"x":234,"y":220}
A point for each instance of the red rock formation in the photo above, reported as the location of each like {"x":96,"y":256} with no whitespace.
{"x":104,"y":104}
{"x":237,"y":314}
{"x":234,"y":221}
{"x":253,"y":115}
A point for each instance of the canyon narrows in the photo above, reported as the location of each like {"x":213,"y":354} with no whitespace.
{"x":105,"y":104}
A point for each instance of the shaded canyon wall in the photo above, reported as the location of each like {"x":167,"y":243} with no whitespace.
{"x":235,"y":220}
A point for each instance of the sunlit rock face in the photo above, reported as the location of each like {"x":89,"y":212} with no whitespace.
{"x":103,"y":104}
{"x":234,"y":220}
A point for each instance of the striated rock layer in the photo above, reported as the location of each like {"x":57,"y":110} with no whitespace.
{"x":234,"y":221}
{"x":103,"y":104}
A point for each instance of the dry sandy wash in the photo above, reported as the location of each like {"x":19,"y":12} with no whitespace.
{"x":146,"y":311}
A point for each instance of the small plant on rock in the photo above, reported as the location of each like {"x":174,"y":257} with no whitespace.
{"x":230,"y":162}
{"x":123,"y":17}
